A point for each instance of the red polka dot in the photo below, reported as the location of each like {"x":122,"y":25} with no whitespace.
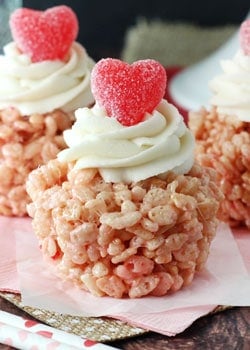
{"x":30,"y":323}
{"x":89,"y":342}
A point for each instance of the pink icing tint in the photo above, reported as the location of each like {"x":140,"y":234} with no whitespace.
{"x":44,"y":35}
{"x":23,"y":335}
{"x":245,"y":37}
{"x":8,"y":341}
{"x":126,"y":91}
{"x":53,"y":346}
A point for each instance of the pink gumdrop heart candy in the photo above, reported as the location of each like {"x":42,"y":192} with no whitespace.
{"x":44,"y":35}
{"x":245,"y":37}
{"x":126,"y":91}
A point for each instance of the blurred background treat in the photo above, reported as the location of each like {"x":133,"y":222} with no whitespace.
{"x":137,"y":27}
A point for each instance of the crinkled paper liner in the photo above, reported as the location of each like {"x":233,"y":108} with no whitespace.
{"x":96,"y":328}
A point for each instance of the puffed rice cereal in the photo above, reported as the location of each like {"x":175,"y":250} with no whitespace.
{"x":223,"y":143}
{"x":25,"y":143}
{"x":124,"y":240}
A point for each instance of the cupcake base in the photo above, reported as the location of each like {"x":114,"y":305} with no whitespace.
{"x":26,"y":142}
{"x":223,"y":143}
{"x":124,"y":240}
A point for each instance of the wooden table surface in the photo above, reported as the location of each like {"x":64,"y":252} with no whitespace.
{"x":227,"y":330}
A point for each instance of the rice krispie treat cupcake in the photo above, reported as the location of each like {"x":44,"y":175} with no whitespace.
{"x":223,"y":133}
{"x":44,"y":78}
{"x":124,"y":211}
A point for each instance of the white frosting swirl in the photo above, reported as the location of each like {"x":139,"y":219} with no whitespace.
{"x":232,"y":88}
{"x":41,"y":87}
{"x":158,"y":144}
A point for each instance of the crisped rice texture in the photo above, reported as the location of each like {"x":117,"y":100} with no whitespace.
{"x":223,"y":143}
{"x":144,"y":238}
{"x":25,"y":143}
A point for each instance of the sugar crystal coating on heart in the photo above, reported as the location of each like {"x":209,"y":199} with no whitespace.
{"x":126,"y":91}
{"x":44,"y":35}
{"x":245,"y":37}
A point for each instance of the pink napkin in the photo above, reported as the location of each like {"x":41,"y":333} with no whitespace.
{"x":242,"y":238}
{"x":227,"y":268}
{"x":8,"y":274}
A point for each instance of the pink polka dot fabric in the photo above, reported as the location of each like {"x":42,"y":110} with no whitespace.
{"x":22,"y":333}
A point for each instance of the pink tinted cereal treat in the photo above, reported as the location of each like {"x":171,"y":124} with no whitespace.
{"x":44,"y":78}
{"x":223,"y":133}
{"x":124,"y":211}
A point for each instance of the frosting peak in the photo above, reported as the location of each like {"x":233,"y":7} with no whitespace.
{"x":158,"y":144}
{"x":41,"y":87}
{"x":232,"y":88}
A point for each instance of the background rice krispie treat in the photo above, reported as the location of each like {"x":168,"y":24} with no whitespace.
{"x":223,"y":133}
{"x":124,"y":211}
{"x":44,"y":78}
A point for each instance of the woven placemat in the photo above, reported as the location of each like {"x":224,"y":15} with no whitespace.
{"x":171,"y":43}
{"x":100,"y":329}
